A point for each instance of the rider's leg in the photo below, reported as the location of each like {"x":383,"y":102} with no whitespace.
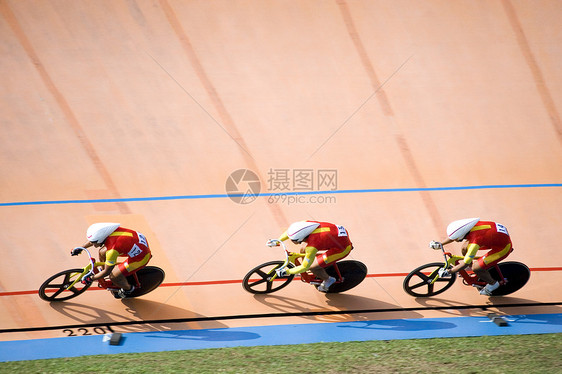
{"x":327,"y":258}
{"x":124,"y":269}
{"x":490,"y":259}
{"x":119,"y":279}
{"x":480,"y":268}
{"x":324,"y":260}
{"x":482,"y":273}
{"x":319,"y":271}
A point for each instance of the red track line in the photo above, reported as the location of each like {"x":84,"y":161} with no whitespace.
{"x":546,"y":269}
{"x":218,"y":282}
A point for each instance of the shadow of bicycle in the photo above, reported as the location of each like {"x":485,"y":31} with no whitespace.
{"x":210,"y":335}
{"x":402,"y":325}
{"x":454,"y":308}
{"x":139,"y":315}
{"x":348,"y":308}
{"x":502,"y":304}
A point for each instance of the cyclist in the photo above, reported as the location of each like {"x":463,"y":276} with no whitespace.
{"x":332,"y":241}
{"x":115,"y":241}
{"x":479,"y":235}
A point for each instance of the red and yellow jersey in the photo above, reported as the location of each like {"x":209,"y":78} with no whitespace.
{"x":325,"y":237}
{"x":486,"y":235}
{"x":332,"y":240}
{"x":328,"y":236}
{"x":125,"y":242}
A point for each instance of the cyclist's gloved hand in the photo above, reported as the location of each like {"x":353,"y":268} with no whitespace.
{"x":88,"y":279}
{"x":281,"y":272}
{"x":76,"y":251}
{"x":273,"y":243}
{"x":435,"y":245}
{"x":443,"y":273}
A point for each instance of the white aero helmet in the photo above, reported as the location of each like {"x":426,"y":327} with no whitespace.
{"x":98,"y":232}
{"x":298,"y":231}
{"x":458,"y":229}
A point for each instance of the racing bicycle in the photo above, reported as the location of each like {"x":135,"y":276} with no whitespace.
{"x":68,"y":283}
{"x":263,"y":279}
{"x":424,"y":281}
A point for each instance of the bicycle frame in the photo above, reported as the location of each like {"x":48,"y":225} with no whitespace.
{"x":307,"y":276}
{"x":94,"y":267}
{"x":469,"y":279}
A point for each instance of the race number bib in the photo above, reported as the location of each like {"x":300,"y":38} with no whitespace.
{"x":142,"y":239}
{"x":341,"y":231}
{"x":135,"y":251}
{"x":502,"y":229}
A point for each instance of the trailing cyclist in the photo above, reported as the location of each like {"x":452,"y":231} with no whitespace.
{"x":115,"y":241}
{"x":479,"y":235}
{"x":322,"y":243}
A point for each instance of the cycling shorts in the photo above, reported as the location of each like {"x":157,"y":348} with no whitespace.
{"x":332,"y":255}
{"x":494,"y":256}
{"x":133,"y":264}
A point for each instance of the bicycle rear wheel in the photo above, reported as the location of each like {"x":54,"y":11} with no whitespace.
{"x":516,"y":274}
{"x":55,"y":288}
{"x":258,"y":280}
{"x":353,"y":272}
{"x":150,"y":277}
{"x":419,"y":283}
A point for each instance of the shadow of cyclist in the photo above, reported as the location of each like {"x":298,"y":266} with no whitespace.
{"x":286,"y":304}
{"x":140,"y":316}
{"x":348,"y":308}
{"x":420,"y":324}
{"x":210,"y":335}
{"x":512,"y":305}
{"x":454,"y":308}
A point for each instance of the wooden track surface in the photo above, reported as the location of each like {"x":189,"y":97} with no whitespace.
{"x":105,"y":102}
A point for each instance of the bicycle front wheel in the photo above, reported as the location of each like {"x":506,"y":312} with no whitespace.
{"x":55,"y":288}
{"x":258,"y":280}
{"x":419,"y":283}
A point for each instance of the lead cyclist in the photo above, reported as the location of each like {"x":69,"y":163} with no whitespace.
{"x":115,"y":241}
{"x":322,"y":243}
{"x":478,"y":236}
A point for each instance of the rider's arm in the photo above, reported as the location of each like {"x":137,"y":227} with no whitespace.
{"x":307,"y":260}
{"x":446,"y":241}
{"x":471,"y":250}
{"x":110,"y":262}
{"x":283,"y":237}
{"x":111,"y":257}
{"x":104,"y":273}
{"x":458,"y":267}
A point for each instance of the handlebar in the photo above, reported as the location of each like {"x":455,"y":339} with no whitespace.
{"x":443,"y":251}
{"x":286,"y":262}
{"x":92,"y":262}
{"x":290,"y":257}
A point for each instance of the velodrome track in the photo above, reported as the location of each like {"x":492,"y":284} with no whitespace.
{"x":388,"y":117}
